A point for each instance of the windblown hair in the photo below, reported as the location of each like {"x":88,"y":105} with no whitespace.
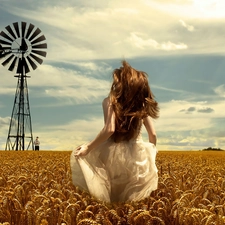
{"x":132,"y":100}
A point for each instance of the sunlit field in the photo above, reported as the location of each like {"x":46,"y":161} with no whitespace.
{"x":36,"y":188}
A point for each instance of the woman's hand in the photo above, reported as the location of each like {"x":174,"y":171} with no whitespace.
{"x":81,"y":151}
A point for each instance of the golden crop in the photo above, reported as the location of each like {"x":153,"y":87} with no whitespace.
{"x":36,"y":189}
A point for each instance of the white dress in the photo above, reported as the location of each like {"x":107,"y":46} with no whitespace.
{"x":117,"y":172}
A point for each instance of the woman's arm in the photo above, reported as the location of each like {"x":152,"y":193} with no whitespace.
{"x":104,"y":134}
{"x":150,"y":129}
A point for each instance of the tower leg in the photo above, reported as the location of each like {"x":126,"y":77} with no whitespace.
{"x":20,"y":135}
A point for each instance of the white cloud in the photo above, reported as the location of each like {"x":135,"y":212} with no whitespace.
{"x":95,"y":69}
{"x":210,"y":8}
{"x":4,"y":128}
{"x":85,"y":31}
{"x":167,"y":89}
{"x":169,"y":46}
{"x":61,"y":83}
{"x":188,"y":27}
{"x":89,"y":82}
{"x":143,"y":43}
{"x":71,"y":135}
{"x":192,"y":9}
{"x":7,"y":91}
{"x":173,"y":115}
{"x":4,"y":121}
{"x":48,"y":75}
{"x":220,"y":90}
{"x":189,"y":125}
{"x":77,"y":95}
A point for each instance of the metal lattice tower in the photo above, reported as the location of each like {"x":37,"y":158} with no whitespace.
{"x":21,"y":48}
{"x":20,"y":128}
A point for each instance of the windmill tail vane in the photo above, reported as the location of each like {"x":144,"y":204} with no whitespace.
{"x":22,"y":49}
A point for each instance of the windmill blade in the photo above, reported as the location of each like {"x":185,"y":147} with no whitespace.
{"x":1,"y":50}
{"x":40,"y":46}
{"x":23,"y":24}
{"x":13,"y":64}
{"x":36,"y":32}
{"x":39,"y":53}
{"x":5,"y":42}
{"x":41,"y":38}
{"x":33,"y":65}
{"x":9,"y":29}
{"x":3,"y":34}
{"x":36,"y":58}
{"x":16,"y":26}
{"x":2,"y":55}
{"x":31,"y":27}
{"x":6,"y":48}
{"x":8,"y":60}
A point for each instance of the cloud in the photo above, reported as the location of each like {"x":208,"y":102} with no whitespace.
{"x":166,"y":46}
{"x":4,"y":121}
{"x":191,"y":109}
{"x":192,"y":139}
{"x":80,"y":131}
{"x":189,"y":125}
{"x":4,"y":128}
{"x":72,"y":84}
{"x":78,"y":94}
{"x":7,"y":91}
{"x":167,"y":89}
{"x":61,"y":76}
{"x":179,"y":2}
{"x":186,"y":140}
{"x":170,"y":114}
{"x":188,"y":27}
{"x":200,"y":110}
{"x":93,"y":68}
{"x":192,"y":9}
{"x":206,"y":110}
{"x":88,"y":81}
{"x":210,"y":8}
{"x":220,"y":90}
{"x":82,"y":31}
{"x":61,"y":83}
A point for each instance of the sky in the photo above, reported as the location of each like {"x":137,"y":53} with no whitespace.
{"x":178,"y":43}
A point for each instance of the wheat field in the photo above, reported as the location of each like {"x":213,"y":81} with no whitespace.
{"x":36,"y":188}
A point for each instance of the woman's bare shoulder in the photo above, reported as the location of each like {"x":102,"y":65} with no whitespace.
{"x":106,"y":101}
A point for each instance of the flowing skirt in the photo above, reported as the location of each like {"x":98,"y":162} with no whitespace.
{"x":117,"y":172}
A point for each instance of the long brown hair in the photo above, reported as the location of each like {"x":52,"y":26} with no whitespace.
{"x":132,"y":100}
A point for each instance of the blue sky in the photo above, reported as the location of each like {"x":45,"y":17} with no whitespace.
{"x":180,"y":44}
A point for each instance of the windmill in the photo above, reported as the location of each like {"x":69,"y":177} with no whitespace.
{"x":22,"y":49}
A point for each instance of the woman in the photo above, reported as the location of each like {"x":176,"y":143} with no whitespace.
{"x":118,"y":166}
